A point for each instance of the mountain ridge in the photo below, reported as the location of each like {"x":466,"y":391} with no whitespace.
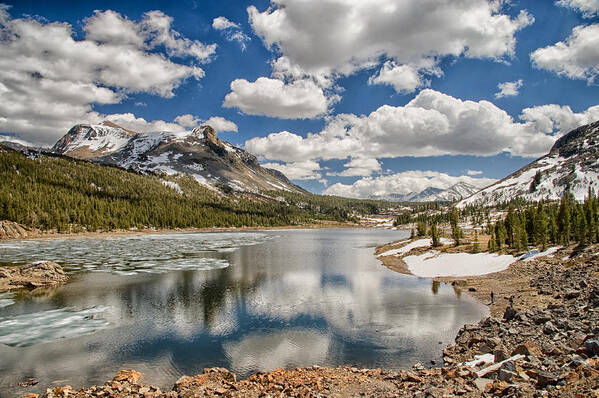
{"x":199,"y":153}
{"x":457,"y":191}
{"x":571,"y":164}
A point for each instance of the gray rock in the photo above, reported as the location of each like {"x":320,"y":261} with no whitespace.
{"x":506,"y":375}
{"x":509,"y":314}
{"x":549,"y":328}
{"x":592,"y":346}
{"x":541,"y":317}
{"x":545,"y":379}
{"x":482,"y":382}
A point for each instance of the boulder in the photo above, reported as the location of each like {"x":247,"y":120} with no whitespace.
{"x":509,"y":314}
{"x":129,"y":376}
{"x":34,"y":275}
{"x":528,"y":349}
{"x":545,"y":379}
{"x":591,"y":347}
{"x":549,"y":328}
{"x":12,"y":230}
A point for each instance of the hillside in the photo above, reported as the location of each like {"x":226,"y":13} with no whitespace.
{"x":572,"y":164}
{"x":197,"y":153}
{"x":65,"y":194}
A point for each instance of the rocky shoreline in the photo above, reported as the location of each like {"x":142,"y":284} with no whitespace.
{"x":31,"y":276}
{"x":546,"y":344}
{"x":10,"y":231}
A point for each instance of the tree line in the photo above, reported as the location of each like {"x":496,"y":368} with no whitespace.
{"x":543,"y":223}
{"x":63,"y":194}
{"x":525,"y":224}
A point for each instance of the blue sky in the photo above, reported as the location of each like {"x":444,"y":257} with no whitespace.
{"x":344,"y":97}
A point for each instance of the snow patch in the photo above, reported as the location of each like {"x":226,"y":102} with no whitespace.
{"x":434,"y":263}
{"x":99,"y":137}
{"x":413,"y":245}
{"x":173,"y":185}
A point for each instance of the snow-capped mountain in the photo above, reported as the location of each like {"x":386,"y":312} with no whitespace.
{"x":88,"y":141}
{"x":572,"y":163}
{"x":431,"y":194}
{"x":455,"y":192}
{"x":198,"y":153}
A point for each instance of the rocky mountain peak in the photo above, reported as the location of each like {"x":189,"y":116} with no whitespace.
{"x":209,"y":133}
{"x":572,"y":164}
{"x":198,"y":153}
{"x":579,"y":140}
{"x":108,"y":123}
{"x":86,"y":141}
{"x":457,"y":191}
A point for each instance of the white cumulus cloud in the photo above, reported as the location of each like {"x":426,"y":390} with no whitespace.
{"x":404,"y":79}
{"x":301,"y":99}
{"x":49,"y":80}
{"x":231,"y":31}
{"x":576,"y":58}
{"x":402,"y":183}
{"x":187,"y":120}
{"x":306,"y":170}
{"x":221,"y":23}
{"x":139,"y":124}
{"x":508,"y":89}
{"x":549,"y":118}
{"x":359,"y":167}
{"x":432,"y":124}
{"x":589,"y":8}
{"x":340,"y":37}
{"x":220,"y":124}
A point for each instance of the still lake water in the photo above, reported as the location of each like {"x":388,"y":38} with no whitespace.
{"x":173,"y":304}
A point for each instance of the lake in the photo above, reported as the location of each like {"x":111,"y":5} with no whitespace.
{"x":173,"y":304}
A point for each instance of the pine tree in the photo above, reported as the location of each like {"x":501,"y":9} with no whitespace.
{"x":563,"y":219}
{"x":510,"y":226}
{"x":553,"y":230}
{"x":456,"y":231}
{"x":590,"y":212}
{"x":435,"y":235}
{"x":579,"y":224}
{"x":535,"y":182}
{"x":517,"y":231}
{"x":500,"y":234}
{"x":540,"y":227}
{"x":476,"y":244}
{"x":491,"y":246}
{"x":523,"y":234}
{"x":421,"y":227}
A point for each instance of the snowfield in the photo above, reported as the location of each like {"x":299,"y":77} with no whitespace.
{"x":173,"y":185}
{"x":413,"y":245}
{"x":433,"y":263}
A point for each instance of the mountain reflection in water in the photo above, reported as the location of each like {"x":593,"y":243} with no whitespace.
{"x":273,"y":299}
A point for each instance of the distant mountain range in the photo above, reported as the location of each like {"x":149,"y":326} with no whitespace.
{"x":572,"y":164}
{"x":431,"y":194}
{"x":199,"y":153}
